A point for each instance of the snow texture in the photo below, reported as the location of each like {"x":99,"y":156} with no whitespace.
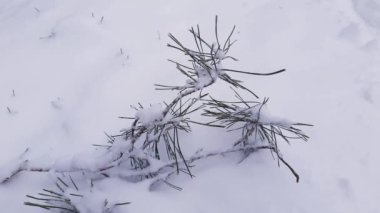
{"x":70,"y":68}
{"x":150,"y":115}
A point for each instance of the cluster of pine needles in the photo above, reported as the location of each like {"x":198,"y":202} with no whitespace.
{"x":160,"y":139}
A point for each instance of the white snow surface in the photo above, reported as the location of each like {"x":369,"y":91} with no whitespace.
{"x":76,"y":65}
{"x":152,"y":114}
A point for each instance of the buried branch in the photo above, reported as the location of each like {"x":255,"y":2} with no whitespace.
{"x":160,"y":125}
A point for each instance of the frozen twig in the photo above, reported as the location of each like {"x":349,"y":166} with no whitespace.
{"x":68,"y":197}
{"x":154,"y":132}
{"x":170,"y":168}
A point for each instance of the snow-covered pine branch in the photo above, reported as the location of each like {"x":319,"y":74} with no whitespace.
{"x":150,"y":148}
{"x":69,"y":196}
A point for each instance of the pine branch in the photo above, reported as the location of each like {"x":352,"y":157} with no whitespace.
{"x":169,"y":169}
{"x":138,"y":145}
{"x":67,"y":201}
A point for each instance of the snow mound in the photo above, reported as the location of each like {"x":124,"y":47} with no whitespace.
{"x":150,"y":115}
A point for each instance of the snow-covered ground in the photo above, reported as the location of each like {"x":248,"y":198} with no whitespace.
{"x":69,"y":68}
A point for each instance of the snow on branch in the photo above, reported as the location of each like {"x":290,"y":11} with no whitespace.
{"x":69,"y":196}
{"x":151,"y":147}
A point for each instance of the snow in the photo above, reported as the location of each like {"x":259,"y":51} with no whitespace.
{"x":205,"y":77}
{"x":150,"y":115}
{"x":10,"y":168}
{"x":220,"y":54}
{"x":71,"y":82}
{"x":369,"y":10}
